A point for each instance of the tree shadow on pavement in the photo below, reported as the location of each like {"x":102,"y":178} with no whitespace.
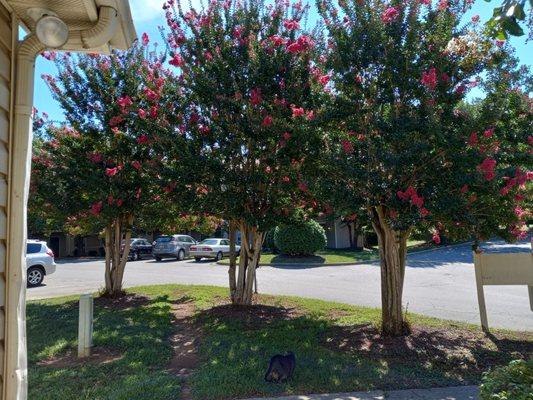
{"x":461,"y":254}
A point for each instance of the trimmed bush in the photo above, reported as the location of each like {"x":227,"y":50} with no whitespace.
{"x":301,"y":239}
{"x":512,"y":382}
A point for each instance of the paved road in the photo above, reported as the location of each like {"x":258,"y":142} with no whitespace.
{"x":438,"y":283}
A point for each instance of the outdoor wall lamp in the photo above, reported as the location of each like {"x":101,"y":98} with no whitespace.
{"x":50,"y":29}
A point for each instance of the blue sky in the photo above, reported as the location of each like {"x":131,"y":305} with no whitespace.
{"x":148,"y":15}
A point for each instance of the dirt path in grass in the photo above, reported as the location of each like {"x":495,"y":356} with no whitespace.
{"x":185,"y":345}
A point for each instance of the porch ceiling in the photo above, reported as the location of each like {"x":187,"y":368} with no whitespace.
{"x":80,"y":15}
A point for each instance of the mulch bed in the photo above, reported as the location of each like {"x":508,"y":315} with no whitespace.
{"x":451,"y":349}
{"x":252,"y":317}
{"x":123,"y":302}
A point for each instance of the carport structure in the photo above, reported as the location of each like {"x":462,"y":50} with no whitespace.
{"x":69,"y":25}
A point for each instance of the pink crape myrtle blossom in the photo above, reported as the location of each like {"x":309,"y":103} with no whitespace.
{"x":297,"y":111}
{"x":145,"y":39}
{"x":443,"y":5}
{"x":291,"y":24}
{"x":96,"y":208}
{"x":487,"y":168}
{"x":389,"y":15}
{"x":347,"y":146}
{"x":429,"y":78}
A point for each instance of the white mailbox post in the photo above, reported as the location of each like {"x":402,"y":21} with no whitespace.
{"x":502,"y":269}
{"x":85,"y":326}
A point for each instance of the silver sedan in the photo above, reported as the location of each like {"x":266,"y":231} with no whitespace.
{"x":212,"y":248}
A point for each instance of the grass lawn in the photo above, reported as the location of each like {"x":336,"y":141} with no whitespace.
{"x":328,"y":256}
{"x":337,"y":348}
{"x":333,"y":256}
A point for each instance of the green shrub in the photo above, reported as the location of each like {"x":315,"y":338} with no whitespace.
{"x":301,"y":239}
{"x":512,"y":382}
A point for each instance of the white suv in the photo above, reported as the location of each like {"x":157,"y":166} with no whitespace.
{"x":39,"y":262}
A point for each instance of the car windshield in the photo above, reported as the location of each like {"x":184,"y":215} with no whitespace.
{"x":209,"y":241}
{"x":164,"y":239}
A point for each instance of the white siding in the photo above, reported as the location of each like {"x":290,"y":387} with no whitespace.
{"x":5,"y":103}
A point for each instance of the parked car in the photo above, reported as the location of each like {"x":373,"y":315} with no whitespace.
{"x":139,"y":248}
{"x":39,"y":262}
{"x":212,"y":248}
{"x":175,"y":246}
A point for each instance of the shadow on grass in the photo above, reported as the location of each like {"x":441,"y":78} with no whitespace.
{"x":135,"y":327}
{"x":238,"y":343}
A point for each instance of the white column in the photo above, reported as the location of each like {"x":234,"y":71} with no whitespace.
{"x":16,"y":380}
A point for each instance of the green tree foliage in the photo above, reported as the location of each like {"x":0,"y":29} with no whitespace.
{"x":300,"y":239}
{"x":400,"y":147}
{"x":509,"y":16}
{"x":171,"y":219}
{"x":245,"y":67}
{"x":100,"y":168}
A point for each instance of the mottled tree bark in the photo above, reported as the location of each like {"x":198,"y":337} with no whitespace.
{"x":392,"y":253}
{"x":115,"y":262}
{"x":232,"y":261}
{"x":242,"y":276}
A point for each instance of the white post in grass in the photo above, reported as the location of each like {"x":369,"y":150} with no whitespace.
{"x":85,"y":326}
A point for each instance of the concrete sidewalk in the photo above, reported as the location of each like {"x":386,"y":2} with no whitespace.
{"x":448,"y":393}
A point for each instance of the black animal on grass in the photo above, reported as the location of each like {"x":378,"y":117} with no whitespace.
{"x":281,"y":367}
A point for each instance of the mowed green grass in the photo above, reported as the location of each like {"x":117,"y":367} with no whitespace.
{"x":335,"y":256}
{"x":328,"y":256}
{"x":140,"y":334}
{"x":333,"y":355}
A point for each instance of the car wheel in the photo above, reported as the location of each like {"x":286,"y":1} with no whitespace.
{"x":181,"y":255}
{"x":35,"y":276}
{"x":158,"y":259}
{"x":134,"y":256}
{"x":219,"y":256}
{"x":197,"y":259}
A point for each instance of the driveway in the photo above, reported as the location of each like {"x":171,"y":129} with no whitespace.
{"x":438,"y":283}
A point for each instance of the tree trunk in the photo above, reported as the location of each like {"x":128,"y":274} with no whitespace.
{"x":392,"y":253}
{"x":232,"y":262}
{"x":242,"y":278}
{"x":115,"y":262}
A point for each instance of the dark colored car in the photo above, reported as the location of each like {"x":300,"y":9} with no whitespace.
{"x":139,"y":249}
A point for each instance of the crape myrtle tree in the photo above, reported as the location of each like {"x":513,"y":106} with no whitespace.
{"x":402,"y":148}
{"x":508,"y":108}
{"x":246,"y":69}
{"x":101,"y":165}
{"x":172,"y":218}
{"x":42,"y":218}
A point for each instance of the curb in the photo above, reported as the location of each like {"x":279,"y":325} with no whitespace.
{"x":442,"y":393}
{"x":374,"y":395}
{"x":310,"y":264}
